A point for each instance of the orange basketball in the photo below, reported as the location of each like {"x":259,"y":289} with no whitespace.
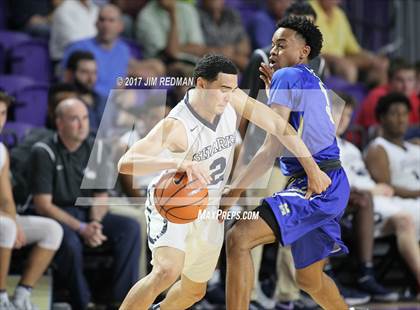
{"x":176,"y":202}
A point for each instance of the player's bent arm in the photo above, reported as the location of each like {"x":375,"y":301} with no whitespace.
{"x":142,"y":158}
{"x":262,"y":116}
{"x":7,"y":204}
{"x":377,"y":162}
{"x":45,"y":207}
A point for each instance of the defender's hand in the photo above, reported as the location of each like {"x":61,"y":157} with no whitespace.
{"x":318,"y":182}
{"x":267,"y":74}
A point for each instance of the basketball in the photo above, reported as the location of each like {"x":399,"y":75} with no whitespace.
{"x":177,"y":200}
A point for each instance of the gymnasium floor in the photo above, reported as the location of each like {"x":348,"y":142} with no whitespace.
{"x":42,"y":297}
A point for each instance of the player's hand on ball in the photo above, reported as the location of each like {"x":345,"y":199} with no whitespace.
{"x":318,"y":182}
{"x":196,"y":171}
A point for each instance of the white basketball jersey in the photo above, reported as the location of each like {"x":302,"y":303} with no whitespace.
{"x":211,"y":144}
{"x":404,"y":163}
{"x":354,"y":166}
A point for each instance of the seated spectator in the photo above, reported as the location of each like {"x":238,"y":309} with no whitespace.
{"x":112,"y":55}
{"x":71,"y":21}
{"x":58,"y":170}
{"x":363,"y":188}
{"x":17,"y":231}
{"x":340,"y":48}
{"x":263,"y":25}
{"x":223,"y":29}
{"x":170,"y":29}
{"x":81,"y":70}
{"x":401,"y":79}
{"x":33,"y":17}
{"x":395,"y":162}
{"x":57,"y":93}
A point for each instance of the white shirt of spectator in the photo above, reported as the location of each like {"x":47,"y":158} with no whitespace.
{"x":354,"y":166}
{"x":404,"y":163}
{"x":359,"y":177}
{"x":71,"y":21}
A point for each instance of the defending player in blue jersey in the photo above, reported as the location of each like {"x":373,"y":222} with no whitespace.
{"x":308,"y":223}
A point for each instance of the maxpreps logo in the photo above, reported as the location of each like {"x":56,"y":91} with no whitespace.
{"x":219,"y":145}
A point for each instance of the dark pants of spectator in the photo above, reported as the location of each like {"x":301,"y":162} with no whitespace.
{"x":124,"y":235}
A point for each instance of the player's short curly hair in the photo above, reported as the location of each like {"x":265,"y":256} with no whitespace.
{"x":211,"y":65}
{"x":307,"y":30}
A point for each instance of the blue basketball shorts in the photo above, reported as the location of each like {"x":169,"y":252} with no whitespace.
{"x":310,"y":226}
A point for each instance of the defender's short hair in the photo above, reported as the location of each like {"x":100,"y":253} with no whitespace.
{"x":307,"y":30}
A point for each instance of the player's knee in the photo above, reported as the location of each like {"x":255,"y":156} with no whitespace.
{"x":403,"y":223}
{"x":308,"y":283}
{"x":237,"y":238}
{"x":165,"y":275}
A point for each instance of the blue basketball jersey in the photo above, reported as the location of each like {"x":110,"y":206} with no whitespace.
{"x":299,"y":89}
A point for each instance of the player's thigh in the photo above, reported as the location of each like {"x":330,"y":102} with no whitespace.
{"x":201,"y":260}
{"x":248,"y":234}
{"x":167,"y":263}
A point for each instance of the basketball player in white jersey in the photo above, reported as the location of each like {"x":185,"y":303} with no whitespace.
{"x":199,"y":138}
{"x":398,"y":216}
{"x":392,"y":160}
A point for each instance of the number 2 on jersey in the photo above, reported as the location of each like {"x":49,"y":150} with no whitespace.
{"x":217,"y":168}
